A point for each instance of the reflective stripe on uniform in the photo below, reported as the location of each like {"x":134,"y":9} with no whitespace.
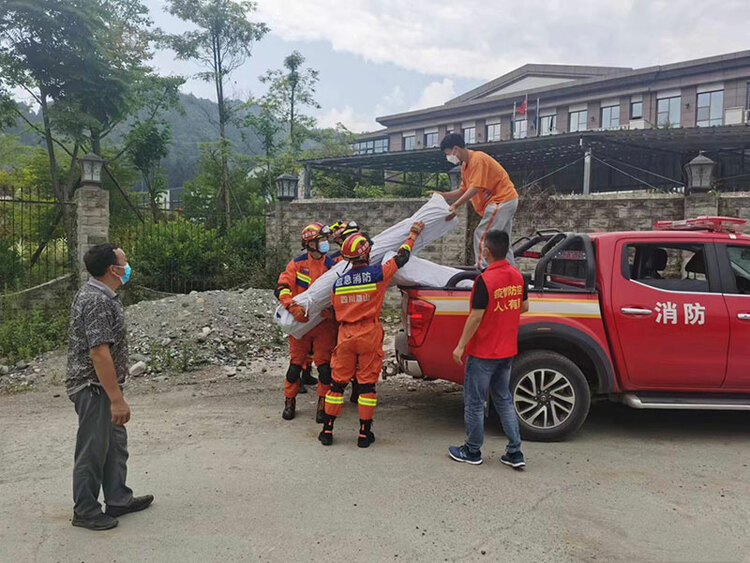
{"x":304,"y":278}
{"x":285,"y":292}
{"x":344,"y":289}
{"x":367,"y":401}
{"x":335,"y":400}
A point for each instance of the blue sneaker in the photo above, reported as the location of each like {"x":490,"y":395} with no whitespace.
{"x":514,"y":460}
{"x":462,"y":454}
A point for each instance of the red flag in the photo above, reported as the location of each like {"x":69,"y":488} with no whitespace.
{"x":522,"y":108}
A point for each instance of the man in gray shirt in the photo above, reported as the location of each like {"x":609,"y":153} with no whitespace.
{"x":97,"y":368}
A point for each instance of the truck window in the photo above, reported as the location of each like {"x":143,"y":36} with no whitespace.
{"x":567,"y":268}
{"x":739,"y":258}
{"x":671,"y":267}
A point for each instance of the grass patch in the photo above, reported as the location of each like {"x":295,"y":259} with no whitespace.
{"x":26,"y":334}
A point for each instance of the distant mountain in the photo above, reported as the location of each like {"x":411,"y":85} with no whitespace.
{"x":198,"y":125}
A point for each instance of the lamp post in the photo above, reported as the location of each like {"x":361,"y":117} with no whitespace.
{"x":700,"y":173}
{"x":91,"y":169}
{"x":454,"y":175}
{"x":286,"y":187}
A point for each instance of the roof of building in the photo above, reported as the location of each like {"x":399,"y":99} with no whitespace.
{"x":565,"y":80}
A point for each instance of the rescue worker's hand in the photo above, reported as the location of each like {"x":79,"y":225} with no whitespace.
{"x":458,"y":355}
{"x":120,"y":411}
{"x":416,"y":228}
{"x":298,"y":312}
{"x":327,"y":314}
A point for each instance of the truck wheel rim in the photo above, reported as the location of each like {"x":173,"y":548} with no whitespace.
{"x":544,"y":398}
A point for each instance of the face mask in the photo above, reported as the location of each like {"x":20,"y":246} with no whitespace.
{"x":323,"y":247}
{"x":453,"y":159}
{"x":125,"y":278}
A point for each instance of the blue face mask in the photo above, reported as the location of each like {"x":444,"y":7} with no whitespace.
{"x":125,"y":278}
{"x":324,"y":247}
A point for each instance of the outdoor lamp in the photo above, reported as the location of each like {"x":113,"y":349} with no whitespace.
{"x":454,"y":175}
{"x":91,"y":168}
{"x":286,"y":187}
{"x":700,"y":172}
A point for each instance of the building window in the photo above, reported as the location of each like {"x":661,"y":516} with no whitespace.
{"x":710,"y":108}
{"x":519,"y":128}
{"x":578,"y":120}
{"x":410,"y":143}
{"x":636,"y":110}
{"x":431,"y":140}
{"x":470,"y":135}
{"x":610,"y":117}
{"x":548,"y":125}
{"x":493,"y":132}
{"x":668,"y":112}
{"x":381,"y":145}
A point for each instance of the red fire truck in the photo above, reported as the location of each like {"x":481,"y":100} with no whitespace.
{"x":654,"y":319}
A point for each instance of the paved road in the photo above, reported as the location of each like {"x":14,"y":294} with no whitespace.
{"x":236,"y":483}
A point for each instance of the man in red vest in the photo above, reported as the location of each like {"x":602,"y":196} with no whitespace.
{"x":490,"y":341}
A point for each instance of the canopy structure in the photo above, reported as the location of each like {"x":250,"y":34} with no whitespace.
{"x":618,"y":160}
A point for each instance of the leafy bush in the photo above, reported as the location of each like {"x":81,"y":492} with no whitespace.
{"x":27,"y":334}
{"x":11,"y":266}
{"x":180,"y":256}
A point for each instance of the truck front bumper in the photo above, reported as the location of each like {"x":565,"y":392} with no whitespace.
{"x":407,"y":363}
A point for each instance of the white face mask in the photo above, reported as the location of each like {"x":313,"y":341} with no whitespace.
{"x":453,"y":159}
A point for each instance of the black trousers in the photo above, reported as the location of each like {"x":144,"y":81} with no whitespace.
{"x":101,"y":455}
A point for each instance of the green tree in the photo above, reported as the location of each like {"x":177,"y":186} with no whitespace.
{"x":148,"y":143}
{"x":222,"y":43}
{"x":292,"y":88}
{"x":268,"y":128}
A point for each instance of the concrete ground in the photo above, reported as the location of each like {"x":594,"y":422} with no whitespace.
{"x":233,"y":482}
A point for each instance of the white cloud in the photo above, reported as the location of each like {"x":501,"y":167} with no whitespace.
{"x":355,"y":122}
{"x":436,"y":93}
{"x":480,"y":39}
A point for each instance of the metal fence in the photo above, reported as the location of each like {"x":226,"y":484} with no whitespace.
{"x":33,"y":245}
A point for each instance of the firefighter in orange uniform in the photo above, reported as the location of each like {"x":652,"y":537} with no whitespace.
{"x":357,"y":301}
{"x":299,"y":274}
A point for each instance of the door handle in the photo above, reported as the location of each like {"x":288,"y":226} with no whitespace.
{"x":635,"y":311}
{"x":743,"y":316}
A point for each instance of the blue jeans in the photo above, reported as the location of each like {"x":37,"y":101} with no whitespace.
{"x":481,"y":375}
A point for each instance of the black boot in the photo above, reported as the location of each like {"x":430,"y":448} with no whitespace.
{"x":326,"y":435}
{"x":355,"y":391}
{"x":307,"y":376}
{"x":366,"y":437}
{"x":302,"y":389}
{"x":320,"y":414}
{"x":290,"y":405}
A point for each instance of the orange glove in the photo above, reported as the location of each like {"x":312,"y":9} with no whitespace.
{"x":298,"y":312}
{"x":416,"y":229}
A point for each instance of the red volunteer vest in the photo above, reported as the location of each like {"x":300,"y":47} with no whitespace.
{"x":497,"y":336}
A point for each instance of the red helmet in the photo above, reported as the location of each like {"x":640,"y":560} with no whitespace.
{"x":343,"y":229}
{"x":310,"y":233}
{"x":356,"y":247}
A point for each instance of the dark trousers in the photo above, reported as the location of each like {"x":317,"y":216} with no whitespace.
{"x":101,"y":455}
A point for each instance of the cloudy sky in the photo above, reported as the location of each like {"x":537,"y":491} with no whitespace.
{"x":378,"y":57}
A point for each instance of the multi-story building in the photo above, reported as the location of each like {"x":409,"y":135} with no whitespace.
{"x":541,"y":100}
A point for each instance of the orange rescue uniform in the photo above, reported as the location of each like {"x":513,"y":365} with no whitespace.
{"x":296,"y":278}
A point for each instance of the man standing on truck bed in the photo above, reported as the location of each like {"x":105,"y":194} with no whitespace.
{"x":486,"y":183}
{"x":490,"y":339}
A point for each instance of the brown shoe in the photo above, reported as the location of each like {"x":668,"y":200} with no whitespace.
{"x":290,"y":405}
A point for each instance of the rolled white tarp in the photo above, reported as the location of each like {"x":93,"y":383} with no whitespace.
{"x":420,"y":272}
{"x":318,"y":295}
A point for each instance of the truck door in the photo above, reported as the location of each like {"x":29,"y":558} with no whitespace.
{"x":669,"y":314}
{"x":734,"y":260}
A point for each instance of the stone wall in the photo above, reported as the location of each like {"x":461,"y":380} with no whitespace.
{"x":287,"y":220}
{"x":92,"y":222}
{"x":599,"y":212}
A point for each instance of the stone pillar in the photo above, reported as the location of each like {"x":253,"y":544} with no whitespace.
{"x":92,"y":222}
{"x":699,"y":204}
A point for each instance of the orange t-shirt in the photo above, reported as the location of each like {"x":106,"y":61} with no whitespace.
{"x":485,"y":173}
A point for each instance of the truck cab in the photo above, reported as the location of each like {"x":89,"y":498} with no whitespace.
{"x":653,"y":319}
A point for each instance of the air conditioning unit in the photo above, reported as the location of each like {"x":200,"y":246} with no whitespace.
{"x":736,"y":116}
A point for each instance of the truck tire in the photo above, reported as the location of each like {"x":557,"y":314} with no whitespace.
{"x":550,"y":394}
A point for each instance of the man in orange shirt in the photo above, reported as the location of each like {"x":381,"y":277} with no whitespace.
{"x":357,"y":297}
{"x":488,"y":186}
{"x":299,"y":274}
